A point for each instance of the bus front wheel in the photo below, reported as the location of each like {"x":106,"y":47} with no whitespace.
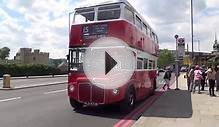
{"x":128,"y":103}
{"x":76,"y":105}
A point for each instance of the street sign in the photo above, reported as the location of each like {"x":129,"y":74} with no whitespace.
{"x":181,"y":47}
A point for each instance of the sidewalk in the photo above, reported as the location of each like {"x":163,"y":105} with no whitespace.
{"x":34,"y":77}
{"x":34,"y":82}
{"x":182,"y":109}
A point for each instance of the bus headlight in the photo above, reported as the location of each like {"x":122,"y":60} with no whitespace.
{"x":71,"y":88}
{"x":115,"y":91}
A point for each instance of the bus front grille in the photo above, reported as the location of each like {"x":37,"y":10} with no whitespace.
{"x":89,"y":93}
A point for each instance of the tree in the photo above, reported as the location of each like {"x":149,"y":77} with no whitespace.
{"x":4,"y":53}
{"x":166,"y":58}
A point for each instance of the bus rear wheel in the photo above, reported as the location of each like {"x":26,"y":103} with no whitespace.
{"x":75,"y":104}
{"x":128,"y":103}
{"x":154,"y":86}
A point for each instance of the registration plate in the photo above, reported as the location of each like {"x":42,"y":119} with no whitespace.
{"x":91,"y":104}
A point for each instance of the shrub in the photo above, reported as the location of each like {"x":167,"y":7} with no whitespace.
{"x":30,"y":70}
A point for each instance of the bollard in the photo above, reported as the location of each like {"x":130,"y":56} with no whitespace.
{"x":6,"y":81}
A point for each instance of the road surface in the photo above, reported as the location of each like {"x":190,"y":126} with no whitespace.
{"x":48,"y":106}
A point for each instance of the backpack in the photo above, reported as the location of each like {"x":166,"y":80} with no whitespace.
{"x":167,"y":75}
{"x":199,"y":76}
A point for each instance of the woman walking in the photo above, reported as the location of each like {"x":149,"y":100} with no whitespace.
{"x":211,"y":79}
{"x":191,"y":78}
{"x":197,"y":79}
{"x":217,"y":78}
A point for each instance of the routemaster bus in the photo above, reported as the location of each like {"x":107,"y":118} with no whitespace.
{"x":116,"y":19}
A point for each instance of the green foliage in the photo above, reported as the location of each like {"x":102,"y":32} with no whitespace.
{"x":30,"y":70}
{"x":165,"y":58}
{"x":4,"y":53}
{"x":212,"y":63}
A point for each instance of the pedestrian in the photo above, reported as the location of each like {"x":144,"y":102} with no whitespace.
{"x":203,"y":80}
{"x":211,"y":79}
{"x":197,"y":79}
{"x":188,"y":78}
{"x":217,"y":78}
{"x":167,"y":78}
{"x":191,"y":77}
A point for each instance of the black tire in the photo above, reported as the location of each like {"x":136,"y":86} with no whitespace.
{"x":128,"y":103}
{"x":75,"y":104}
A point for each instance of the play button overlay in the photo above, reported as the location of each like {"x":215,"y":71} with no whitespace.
{"x":109,"y":63}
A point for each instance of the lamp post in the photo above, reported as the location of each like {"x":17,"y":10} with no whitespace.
{"x":177,"y":63}
{"x":192,"y":29}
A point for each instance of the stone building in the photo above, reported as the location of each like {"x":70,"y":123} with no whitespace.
{"x":215,"y":46}
{"x":215,"y":52}
{"x":26,"y":56}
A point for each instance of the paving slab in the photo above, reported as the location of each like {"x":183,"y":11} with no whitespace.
{"x":182,"y":109}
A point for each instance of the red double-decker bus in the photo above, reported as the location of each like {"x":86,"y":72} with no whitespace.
{"x":112,"y":19}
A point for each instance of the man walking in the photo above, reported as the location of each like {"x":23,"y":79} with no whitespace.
{"x":188,"y":78}
{"x":211,"y":79}
{"x":191,"y":77}
{"x":217,"y":78}
{"x":203,"y":78}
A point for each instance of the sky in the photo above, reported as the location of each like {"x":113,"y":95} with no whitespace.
{"x":43,"y":24}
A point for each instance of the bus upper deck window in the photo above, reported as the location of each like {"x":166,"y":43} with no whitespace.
{"x":82,"y":16}
{"x":138,"y":22}
{"x":129,"y":15}
{"x":109,"y":12}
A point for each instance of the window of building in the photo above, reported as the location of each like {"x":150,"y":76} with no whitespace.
{"x":139,"y":63}
{"x":34,"y":58}
{"x":129,"y":15}
{"x":138,"y":22}
{"x":109,"y":12}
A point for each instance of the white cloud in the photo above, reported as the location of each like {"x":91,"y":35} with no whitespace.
{"x":47,"y":21}
{"x":48,"y":26}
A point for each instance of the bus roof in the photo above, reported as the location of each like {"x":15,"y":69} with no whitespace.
{"x":105,"y":3}
{"x":115,"y":2}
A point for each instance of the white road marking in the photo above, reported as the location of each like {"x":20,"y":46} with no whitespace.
{"x":10,"y":99}
{"x":56,"y":91}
